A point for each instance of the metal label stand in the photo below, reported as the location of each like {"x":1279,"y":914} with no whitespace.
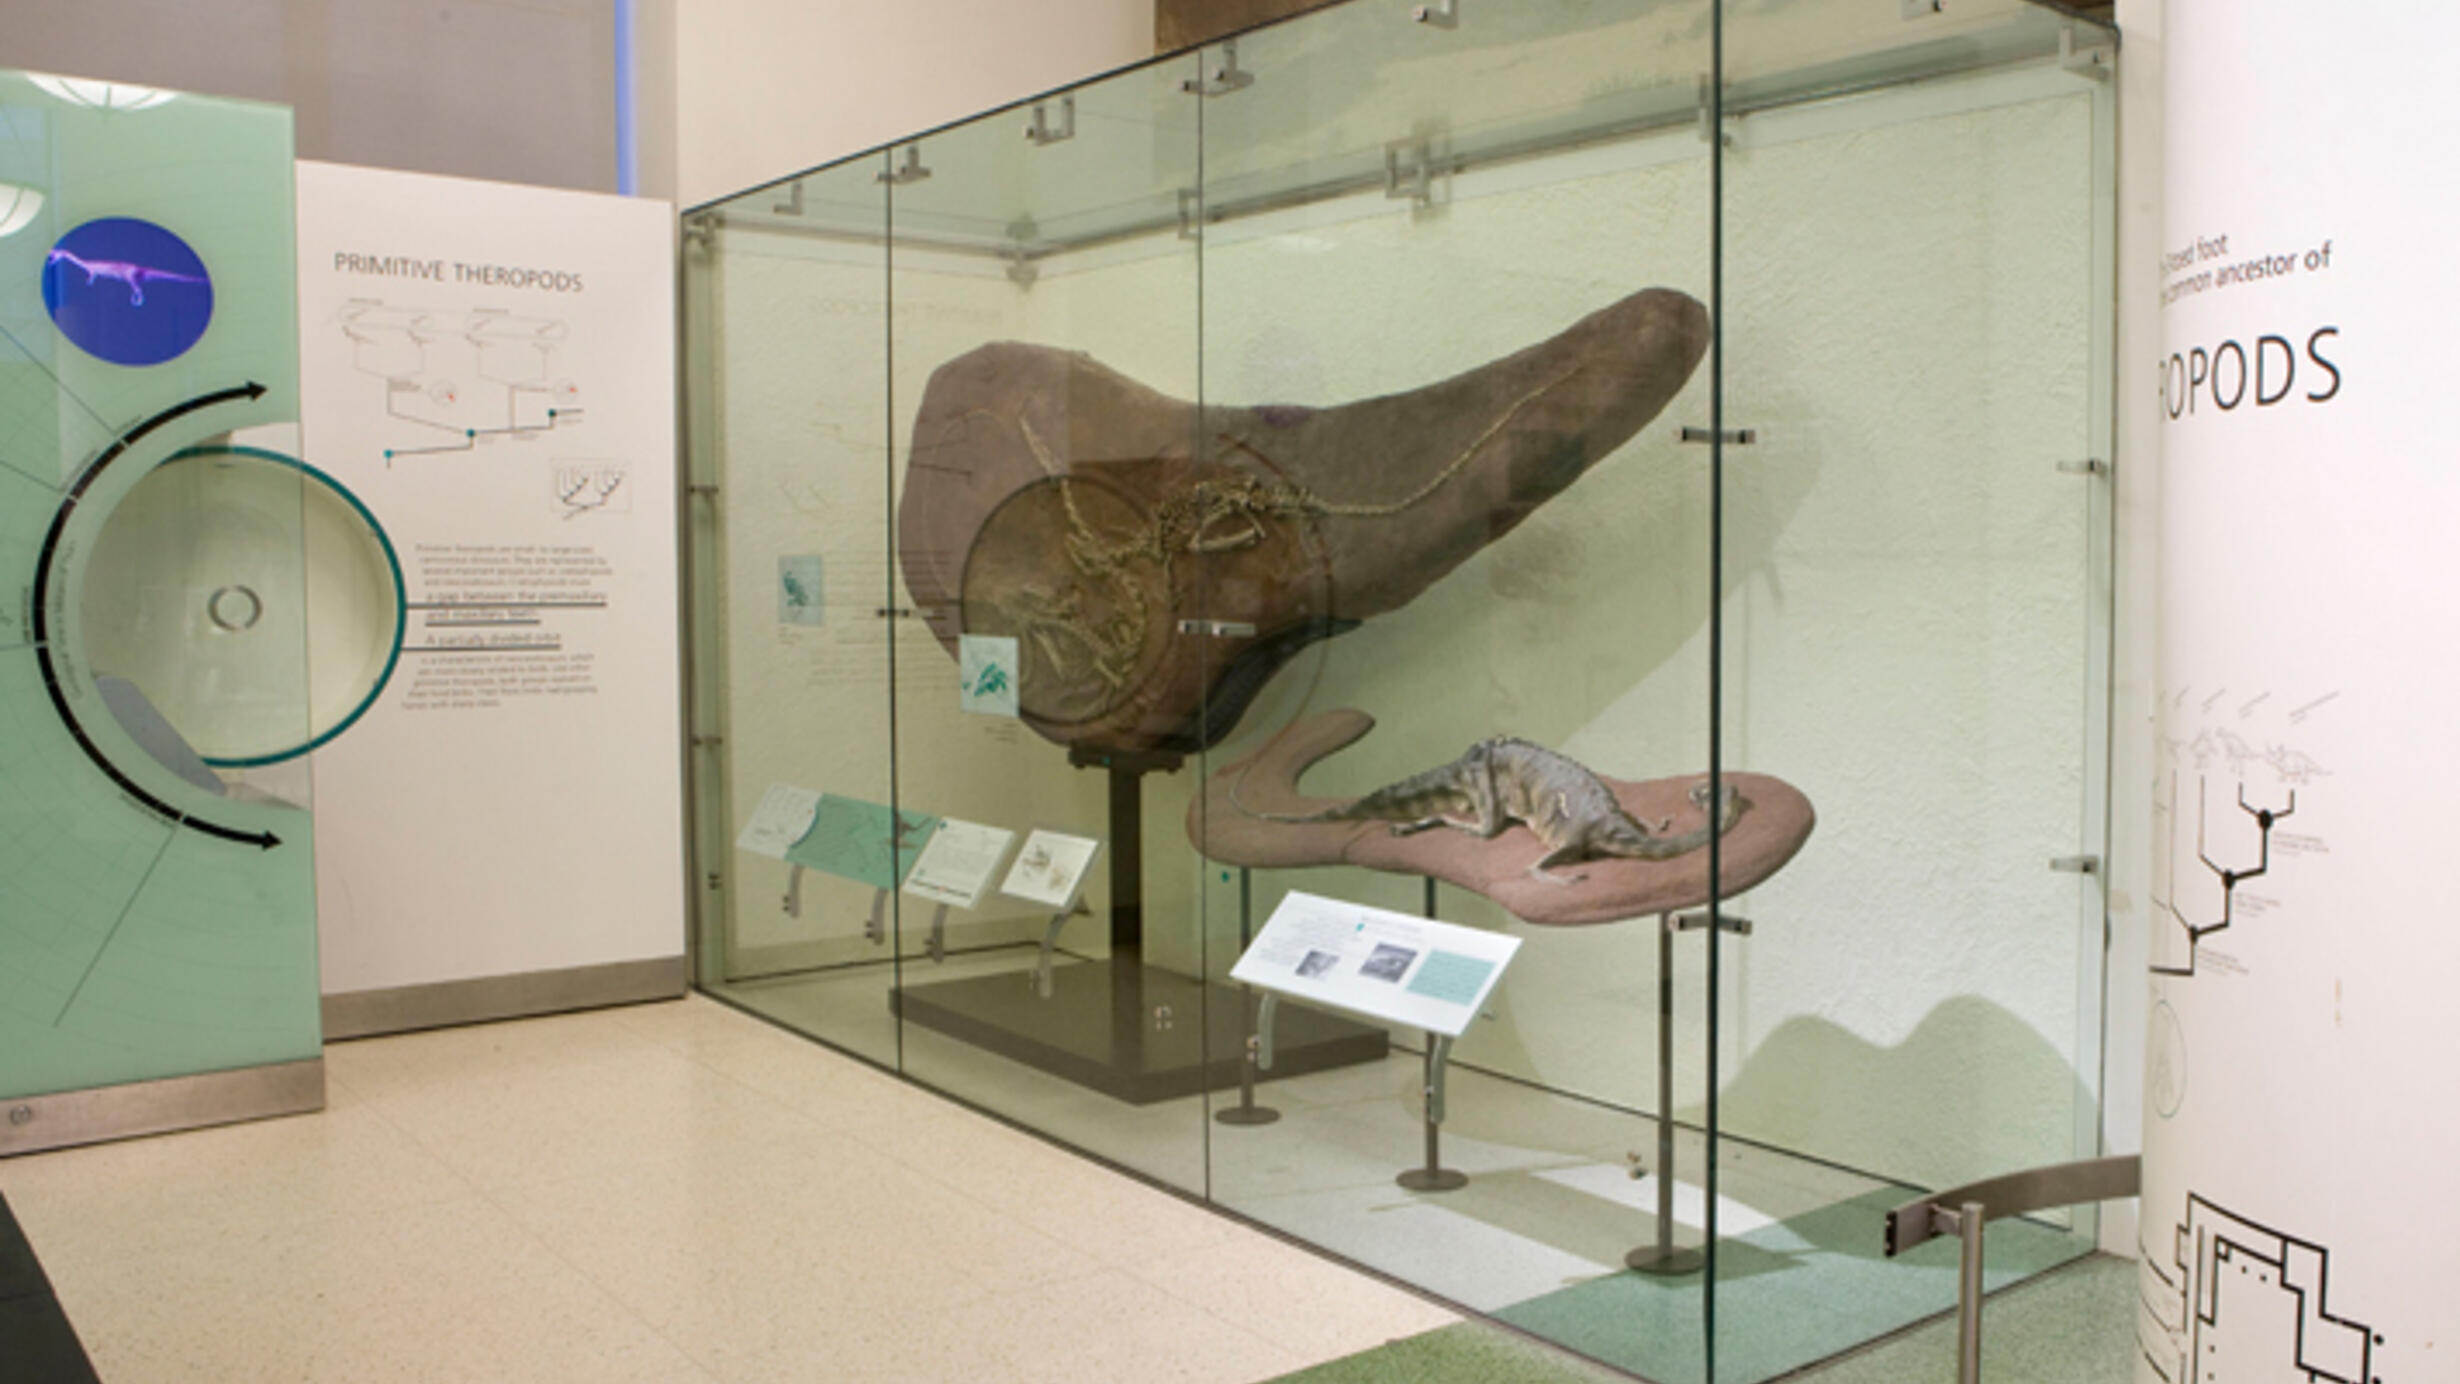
{"x":1434,"y":1176}
{"x":1259,"y":1032}
{"x":1665,"y":1259}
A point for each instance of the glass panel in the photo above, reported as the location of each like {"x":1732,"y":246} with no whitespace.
{"x":1043,"y":329}
{"x":1455,"y":283}
{"x":1913,"y":309}
{"x":786,"y":315}
{"x":157,"y":881}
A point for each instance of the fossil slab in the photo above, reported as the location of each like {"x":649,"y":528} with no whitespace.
{"x":1224,"y":825}
{"x":1056,"y":500}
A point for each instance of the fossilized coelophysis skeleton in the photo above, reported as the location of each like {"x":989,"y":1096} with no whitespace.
{"x":1204,"y":517}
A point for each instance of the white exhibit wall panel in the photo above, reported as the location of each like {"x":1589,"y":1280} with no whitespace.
{"x":2297,"y":1220}
{"x":489,"y":369}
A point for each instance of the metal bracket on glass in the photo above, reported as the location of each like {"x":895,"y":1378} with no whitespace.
{"x":1732,"y":437}
{"x":699,"y":230}
{"x":2093,"y":59}
{"x":1693,"y":922}
{"x":1265,"y":1009}
{"x":2076,"y":864}
{"x":894,"y":612}
{"x":1191,"y":209}
{"x":793,"y":205}
{"x":908,"y":170}
{"x":938,"y":945}
{"x":875,"y":928}
{"x":1963,"y":1211}
{"x":2089,"y":466}
{"x":1920,"y":9}
{"x":1434,"y":1176}
{"x":1219,"y":629}
{"x":1040,"y":129}
{"x":707,"y":742}
{"x":1021,"y":268}
{"x":794,"y":891}
{"x":1225,"y":78}
{"x":1409,"y":171}
{"x":1444,"y":16}
{"x":701,"y":491}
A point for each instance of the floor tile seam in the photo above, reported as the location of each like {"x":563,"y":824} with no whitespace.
{"x":605,"y":1291}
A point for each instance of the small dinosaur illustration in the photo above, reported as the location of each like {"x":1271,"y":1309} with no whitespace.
{"x":1505,"y":780}
{"x":136,"y":276}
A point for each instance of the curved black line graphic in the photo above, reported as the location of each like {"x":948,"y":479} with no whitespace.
{"x":263,"y":840}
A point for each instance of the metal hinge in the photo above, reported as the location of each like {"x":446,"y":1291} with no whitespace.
{"x":1920,"y":9}
{"x":707,"y":742}
{"x":1040,"y":129}
{"x":894,"y":612}
{"x":910,"y":170}
{"x":1444,"y":16}
{"x":2095,"y":59}
{"x":702,"y":490}
{"x":1219,"y":629}
{"x":2076,"y":864}
{"x":1191,"y":210}
{"x":2089,"y":466}
{"x":793,"y":205}
{"x":1732,"y":437}
{"x":1223,"y":79}
{"x":1693,"y":922}
{"x":1409,"y":171}
{"x":1708,"y":113}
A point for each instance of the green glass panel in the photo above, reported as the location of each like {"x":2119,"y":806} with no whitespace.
{"x":157,"y":915}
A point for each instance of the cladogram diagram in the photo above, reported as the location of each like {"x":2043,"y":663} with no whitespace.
{"x":2242,"y":1303}
{"x":2241,"y":798}
{"x":592,"y":487}
{"x":461,"y":379}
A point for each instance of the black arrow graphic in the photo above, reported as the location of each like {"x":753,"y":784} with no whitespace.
{"x":263,"y":840}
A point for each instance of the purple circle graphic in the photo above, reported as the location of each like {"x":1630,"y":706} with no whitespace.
{"x":127,"y":291}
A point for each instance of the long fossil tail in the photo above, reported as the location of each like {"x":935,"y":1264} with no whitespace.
{"x":1668,"y":847}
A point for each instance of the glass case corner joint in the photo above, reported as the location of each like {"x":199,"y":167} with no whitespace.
{"x":2091,"y":59}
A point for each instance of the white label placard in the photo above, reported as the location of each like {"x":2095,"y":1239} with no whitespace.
{"x":489,"y":369}
{"x":1050,"y":868}
{"x":958,"y":862}
{"x":1415,"y":971}
{"x":784,"y":815}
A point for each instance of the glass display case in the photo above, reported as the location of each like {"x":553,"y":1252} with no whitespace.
{"x":1473,"y":632}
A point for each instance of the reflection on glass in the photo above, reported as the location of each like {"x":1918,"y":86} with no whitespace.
{"x":1289,"y":584}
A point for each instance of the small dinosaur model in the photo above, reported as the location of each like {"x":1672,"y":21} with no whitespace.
{"x":1505,"y":780}
{"x":136,"y":276}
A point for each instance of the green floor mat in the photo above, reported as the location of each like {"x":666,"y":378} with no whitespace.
{"x":2073,"y":1326}
{"x":1788,"y":1294}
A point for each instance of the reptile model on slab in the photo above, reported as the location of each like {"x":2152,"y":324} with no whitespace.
{"x":1505,"y":780}
{"x":1634,"y":861}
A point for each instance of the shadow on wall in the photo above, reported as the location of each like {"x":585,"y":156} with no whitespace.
{"x":1980,"y":1091}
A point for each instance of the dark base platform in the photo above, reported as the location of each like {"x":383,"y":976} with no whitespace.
{"x":1131,"y":1031}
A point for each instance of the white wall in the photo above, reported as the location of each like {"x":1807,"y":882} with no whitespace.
{"x":765,"y":88}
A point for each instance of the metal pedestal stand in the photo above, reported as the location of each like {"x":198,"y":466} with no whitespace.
{"x":1664,"y":1259}
{"x":1259,"y":1036}
{"x":1434,"y":1176}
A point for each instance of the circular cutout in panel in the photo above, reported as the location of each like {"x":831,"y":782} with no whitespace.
{"x":223,"y":575}
{"x":127,"y":291}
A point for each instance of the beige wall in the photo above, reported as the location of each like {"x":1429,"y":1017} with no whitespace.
{"x":765,"y":88}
